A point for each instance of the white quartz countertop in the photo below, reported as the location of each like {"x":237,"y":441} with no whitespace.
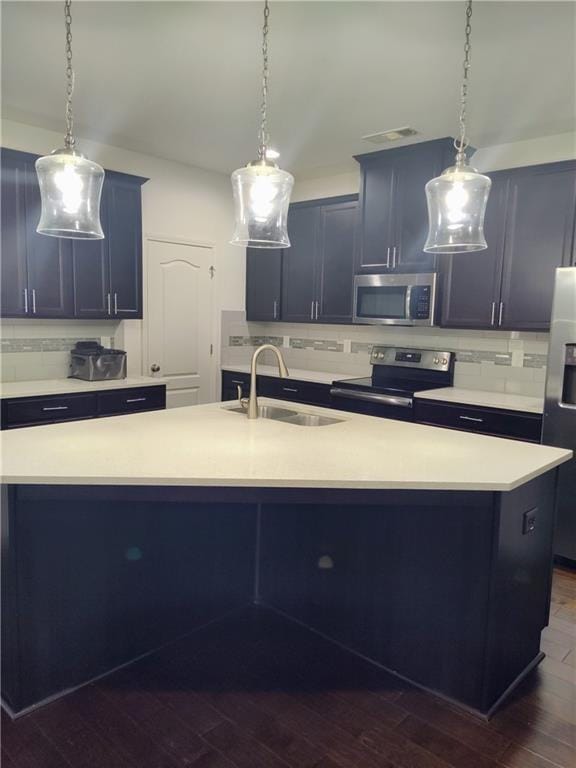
{"x":485,"y":399}
{"x":70,"y":386}
{"x":320,"y":377}
{"x":206,"y":445}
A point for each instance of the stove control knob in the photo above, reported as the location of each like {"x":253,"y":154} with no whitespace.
{"x":380,"y":355}
{"x":444,"y":361}
{"x":436,"y":361}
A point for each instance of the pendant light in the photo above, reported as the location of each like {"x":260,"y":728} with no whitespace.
{"x":457,"y":198}
{"x":261,"y":189}
{"x":70,"y":184}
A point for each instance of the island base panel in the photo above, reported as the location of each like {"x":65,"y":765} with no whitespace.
{"x":445,"y":589}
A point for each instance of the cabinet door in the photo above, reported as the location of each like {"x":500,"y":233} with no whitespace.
{"x":13,"y":274}
{"x":49,"y":260}
{"x":125,"y":247}
{"x":298,"y":261}
{"x":376,"y":229}
{"x":263,"y":283}
{"x":471,"y":286}
{"x":92,"y":296}
{"x":539,"y":233}
{"x":335,"y":262}
{"x":412,"y":172}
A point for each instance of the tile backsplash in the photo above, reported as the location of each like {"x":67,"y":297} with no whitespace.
{"x":40,"y":349}
{"x":500,"y":361}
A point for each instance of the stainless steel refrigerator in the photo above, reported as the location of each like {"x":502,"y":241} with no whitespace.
{"x":560,"y":406}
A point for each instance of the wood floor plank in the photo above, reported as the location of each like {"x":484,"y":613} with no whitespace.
{"x":554,"y":650}
{"x":518,"y":757}
{"x":558,"y":669}
{"x":243,"y":750}
{"x":28,"y":747}
{"x":5,"y":760}
{"x":540,"y":743}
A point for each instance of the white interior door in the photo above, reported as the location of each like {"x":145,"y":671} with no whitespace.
{"x":179,"y":320}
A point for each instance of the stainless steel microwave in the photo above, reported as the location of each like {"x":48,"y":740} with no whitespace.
{"x":395,"y":299}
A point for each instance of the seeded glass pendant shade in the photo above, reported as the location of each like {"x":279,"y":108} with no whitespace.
{"x":456,"y":207}
{"x":457,"y":198}
{"x":70,"y":189}
{"x":261,"y":189}
{"x":70,"y":184}
{"x":261,"y":200}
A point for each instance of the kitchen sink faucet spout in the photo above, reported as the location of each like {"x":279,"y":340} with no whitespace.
{"x":252,"y":411}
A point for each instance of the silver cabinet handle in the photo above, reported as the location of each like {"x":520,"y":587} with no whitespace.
{"x":26,"y":301}
{"x":115,"y":303}
{"x":493,"y":315}
{"x":372,"y":397}
{"x":471,"y":418}
{"x":275,"y":309}
{"x":108,"y":303}
{"x":394,"y":257}
{"x":240,"y":383}
{"x":500,"y":312}
{"x":388,"y":257}
{"x":33,"y":301}
{"x":312,"y":310}
{"x":317,"y":309}
{"x":289,"y":389}
{"x":55,"y":408}
{"x":136,"y":399}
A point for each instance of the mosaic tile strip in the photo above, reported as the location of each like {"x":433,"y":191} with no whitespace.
{"x":254,"y":341}
{"x":41,"y":344}
{"x":534,"y":361}
{"x":361,"y":346}
{"x":482,"y":356}
{"x":319,"y":345}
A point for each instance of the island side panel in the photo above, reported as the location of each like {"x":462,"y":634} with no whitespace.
{"x":521,"y":582}
{"x":409,"y":586}
{"x":96,"y":584}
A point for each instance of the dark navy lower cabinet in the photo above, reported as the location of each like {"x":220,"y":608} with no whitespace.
{"x":307,"y":392}
{"x":52,"y":409}
{"x":517,"y":425}
{"x":52,"y":277}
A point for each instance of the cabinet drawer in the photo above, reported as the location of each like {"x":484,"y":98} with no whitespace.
{"x":308,"y":392}
{"x":230,"y":383}
{"x":490,"y":421}
{"x":131,"y":400}
{"x":46,"y":410}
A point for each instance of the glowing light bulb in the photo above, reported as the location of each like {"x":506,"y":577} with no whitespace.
{"x":456,"y":199}
{"x":70,"y":185}
{"x":262,"y":196}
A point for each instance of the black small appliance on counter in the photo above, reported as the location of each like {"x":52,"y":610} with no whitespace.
{"x":397,"y":373}
{"x":90,"y":361}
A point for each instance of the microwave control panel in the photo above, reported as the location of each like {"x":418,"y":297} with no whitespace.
{"x":420,"y":302}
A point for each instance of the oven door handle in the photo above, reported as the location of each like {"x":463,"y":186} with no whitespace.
{"x":372,"y":397}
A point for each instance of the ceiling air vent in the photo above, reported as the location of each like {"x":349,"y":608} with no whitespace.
{"x":385,"y":137}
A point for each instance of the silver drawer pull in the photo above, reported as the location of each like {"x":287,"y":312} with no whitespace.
{"x":235,"y":381}
{"x":471,"y":418}
{"x":135,"y":399}
{"x":289,"y":389}
{"x":55,"y":408}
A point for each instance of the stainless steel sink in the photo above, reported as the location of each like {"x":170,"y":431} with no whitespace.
{"x":288,"y":416}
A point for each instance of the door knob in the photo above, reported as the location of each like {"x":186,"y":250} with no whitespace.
{"x":154,"y":368}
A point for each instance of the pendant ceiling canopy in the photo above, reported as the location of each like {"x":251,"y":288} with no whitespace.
{"x":70,"y":184}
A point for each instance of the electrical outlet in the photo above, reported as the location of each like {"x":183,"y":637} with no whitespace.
{"x":529,"y":521}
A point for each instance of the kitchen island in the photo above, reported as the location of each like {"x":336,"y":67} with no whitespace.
{"x":425,"y":550}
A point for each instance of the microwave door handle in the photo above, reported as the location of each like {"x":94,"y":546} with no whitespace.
{"x":408,"y":299}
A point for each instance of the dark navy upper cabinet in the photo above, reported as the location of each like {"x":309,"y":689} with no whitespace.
{"x":14,"y":269}
{"x":263,"y":283}
{"x":539,"y":238}
{"x":318,"y":269}
{"x":298,"y":264}
{"x":471,"y":285}
{"x":393,"y":211}
{"x":59,"y":277}
{"x":529,"y":227}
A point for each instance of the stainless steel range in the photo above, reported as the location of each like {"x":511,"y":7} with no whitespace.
{"x":397,"y":373}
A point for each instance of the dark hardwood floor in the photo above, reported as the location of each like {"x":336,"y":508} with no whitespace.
{"x":258,"y":691}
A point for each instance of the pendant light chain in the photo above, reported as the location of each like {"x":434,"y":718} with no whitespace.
{"x":69,"y":140}
{"x":263,"y":133}
{"x":462,"y":142}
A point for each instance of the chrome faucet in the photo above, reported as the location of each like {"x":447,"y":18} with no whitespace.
{"x":251,"y":404}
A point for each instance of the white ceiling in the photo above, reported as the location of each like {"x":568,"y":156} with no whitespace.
{"x":181,"y":79}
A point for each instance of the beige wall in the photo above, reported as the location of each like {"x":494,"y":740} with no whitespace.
{"x":546,"y":149}
{"x":178,"y":201}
